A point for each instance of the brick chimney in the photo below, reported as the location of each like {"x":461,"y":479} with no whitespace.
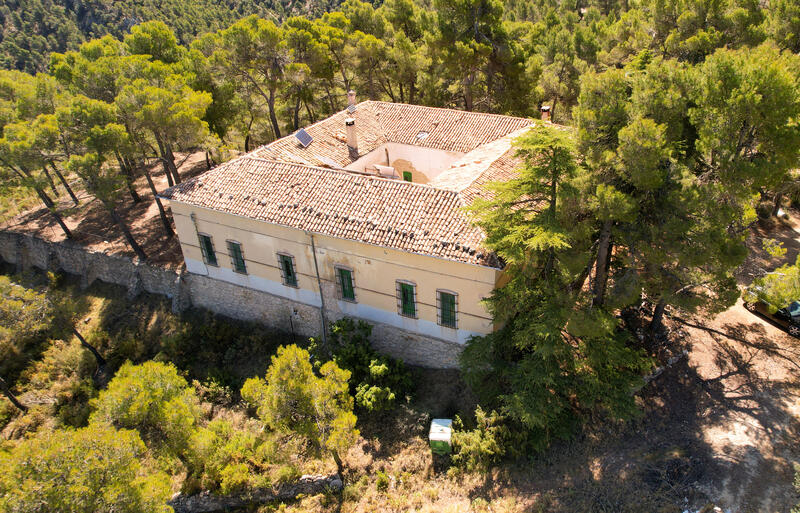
{"x":546,"y":113}
{"x":351,"y":101}
{"x":352,"y":138}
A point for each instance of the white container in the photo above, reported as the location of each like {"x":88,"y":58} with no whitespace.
{"x":439,"y":436}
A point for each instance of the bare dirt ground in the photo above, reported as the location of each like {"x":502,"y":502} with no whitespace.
{"x":747,"y":371}
{"x":91,"y":225}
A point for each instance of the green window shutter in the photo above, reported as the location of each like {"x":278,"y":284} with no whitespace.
{"x":207,"y":248}
{"x":407,"y":176}
{"x":346,"y":283}
{"x":447,"y":309}
{"x":237,"y":257}
{"x":289,"y":276}
{"x":408,"y":306}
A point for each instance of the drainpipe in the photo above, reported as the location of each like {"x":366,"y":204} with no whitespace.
{"x":321,"y":295}
{"x":197,"y":236}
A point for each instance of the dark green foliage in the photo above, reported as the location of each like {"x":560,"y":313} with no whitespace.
{"x":480,"y":448}
{"x":377,"y":381}
{"x":559,"y":359}
{"x":225,"y":350}
{"x":34,"y":28}
{"x":91,"y":470}
{"x":382,"y":481}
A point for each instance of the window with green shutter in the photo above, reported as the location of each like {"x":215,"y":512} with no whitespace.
{"x":346,"y":289}
{"x":406,"y":298}
{"x":447,"y":308}
{"x":287,"y":270}
{"x":237,"y":257}
{"x":207,"y":248}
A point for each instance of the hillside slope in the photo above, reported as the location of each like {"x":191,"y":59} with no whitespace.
{"x":31,"y":29}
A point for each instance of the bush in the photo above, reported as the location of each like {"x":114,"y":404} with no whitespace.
{"x":7,"y":412}
{"x":376,"y":380}
{"x":293,"y":398}
{"x":382,"y":482}
{"x":153,"y":399}
{"x":223,"y":457}
{"x":286,"y":474}
{"x":95,"y":469}
{"x":480,"y":448}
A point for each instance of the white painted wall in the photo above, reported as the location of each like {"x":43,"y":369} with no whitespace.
{"x":427,"y":161}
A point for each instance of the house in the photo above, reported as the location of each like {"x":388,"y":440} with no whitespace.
{"x":359,"y":215}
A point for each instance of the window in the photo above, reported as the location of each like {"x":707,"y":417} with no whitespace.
{"x":207,"y":248}
{"x":446,"y":302}
{"x":287,"y":270}
{"x":237,"y":257}
{"x":406,"y":299}
{"x":407,"y":176}
{"x":344,"y":281}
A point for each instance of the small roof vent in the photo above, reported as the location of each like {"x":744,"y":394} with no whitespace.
{"x":422,"y":135}
{"x":303,"y":138}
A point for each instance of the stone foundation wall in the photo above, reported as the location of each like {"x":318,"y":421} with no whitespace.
{"x":185,"y":290}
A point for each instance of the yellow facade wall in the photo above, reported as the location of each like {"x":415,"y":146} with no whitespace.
{"x":375,"y":271}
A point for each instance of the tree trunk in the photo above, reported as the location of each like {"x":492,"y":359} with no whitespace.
{"x":468,"y":93}
{"x":603,"y":259}
{"x":101,"y":362}
{"x":65,"y":184}
{"x":127,"y":172}
{"x":11,"y":397}
{"x":171,"y":163}
{"x":127,"y":233}
{"x":161,"y":212}
{"x":658,"y":316}
{"x":52,"y":208}
{"x":338,"y":460}
{"x":50,"y":181}
{"x":296,"y":116}
{"x":170,"y":181}
{"x":272,"y":117}
{"x":777,"y":205}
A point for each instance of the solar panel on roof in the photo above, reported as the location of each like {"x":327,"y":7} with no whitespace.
{"x":303,"y":138}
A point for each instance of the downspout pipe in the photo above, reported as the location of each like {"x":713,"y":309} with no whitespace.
{"x":193,"y":217}
{"x":321,"y":295}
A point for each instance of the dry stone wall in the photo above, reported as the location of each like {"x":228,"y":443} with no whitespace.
{"x":186,"y":289}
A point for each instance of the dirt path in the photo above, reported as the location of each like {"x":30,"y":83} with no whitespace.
{"x":749,"y":373}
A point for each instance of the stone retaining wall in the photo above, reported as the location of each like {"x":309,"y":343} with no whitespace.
{"x":186,"y":289}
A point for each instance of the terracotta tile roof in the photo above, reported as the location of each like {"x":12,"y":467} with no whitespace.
{"x":286,"y":184}
{"x":391,"y":213}
{"x":382,"y":122}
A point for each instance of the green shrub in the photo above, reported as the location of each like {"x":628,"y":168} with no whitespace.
{"x":224,"y":457}
{"x":293,"y":398}
{"x":7,"y":412}
{"x":376,"y":380}
{"x":92,"y":470}
{"x":480,"y":448}
{"x":382,"y":482}
{"x":153,"y":399}
{"x":286,"y":474}
{"x":234,"y":478}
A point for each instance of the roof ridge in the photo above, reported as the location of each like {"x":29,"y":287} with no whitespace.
{"x":465,"y":112}
{"x":348,"y":172}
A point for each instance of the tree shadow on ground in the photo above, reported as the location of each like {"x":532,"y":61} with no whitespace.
{"x":722,"y":432}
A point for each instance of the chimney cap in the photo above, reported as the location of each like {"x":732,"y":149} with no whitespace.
{"x":545,"y":108}
{"x":349,"y":122}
